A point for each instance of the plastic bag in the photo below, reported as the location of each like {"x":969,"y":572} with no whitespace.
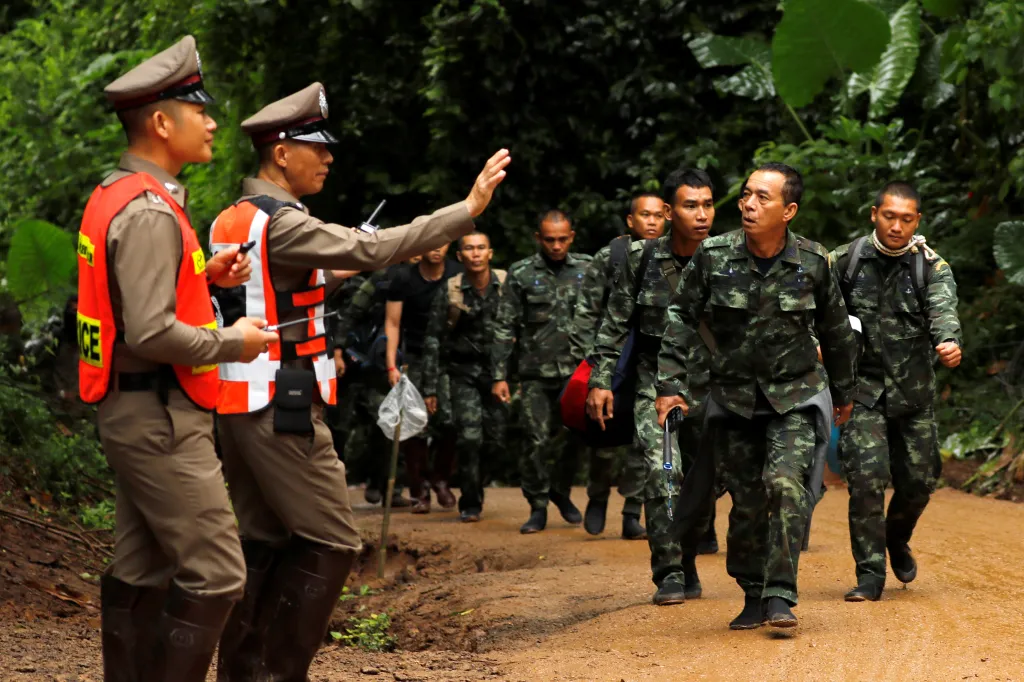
{"x":403,"y":399}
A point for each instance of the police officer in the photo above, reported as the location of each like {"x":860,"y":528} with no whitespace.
{"x":903,"y":297}
{"x":286,"y":482}
{"x":149,"y":347}
{"x":535,"y":318}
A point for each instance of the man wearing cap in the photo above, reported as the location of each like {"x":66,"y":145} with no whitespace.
{"x":286,"y":481}
{"x":149,"y":348}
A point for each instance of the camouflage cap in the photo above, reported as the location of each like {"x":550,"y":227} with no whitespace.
{"x":175,"y":73}
{"x":301,"y":116}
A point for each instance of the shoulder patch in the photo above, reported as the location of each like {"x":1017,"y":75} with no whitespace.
{"x":637,"y":245}
{"x":716,"y":242}
{"x":811,"y":247}
{"x":586,"y":258}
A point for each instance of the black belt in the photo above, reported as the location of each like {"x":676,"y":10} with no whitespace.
{"x":139,"y":382}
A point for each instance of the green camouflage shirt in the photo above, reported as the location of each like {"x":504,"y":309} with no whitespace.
{"x":591,"y":302}
{"x":899,"y":338}
{"x":767,"y":326}
{"x":339,"y":300}
{"x":368,"y":300}
{"x":464,"y":349}
{"x":535,"y":318}
{"x":648,"y":302}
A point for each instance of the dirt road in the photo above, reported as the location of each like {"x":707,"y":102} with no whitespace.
{"x":481,"y":602}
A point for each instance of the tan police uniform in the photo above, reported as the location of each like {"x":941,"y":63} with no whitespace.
{"x":289,"y":491}
{"x":174,"y":527}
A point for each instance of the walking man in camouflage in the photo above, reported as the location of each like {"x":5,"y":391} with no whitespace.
{"x":646,"y":220}
{"x":457,"y":344}
{"x":639,"y":300}
{"x":903,"y":297}
{"x":770,"y":296}
{"x":535,"y":318}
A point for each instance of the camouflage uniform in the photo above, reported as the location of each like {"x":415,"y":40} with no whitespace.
{"x":341,"y":416}
{"x":892,"y":434}
{"x":535,"y":316}
{"x":645,"y":303}
{"x":590,"y":308}
{"x":766,"y":361}
{"x":461,"y":353}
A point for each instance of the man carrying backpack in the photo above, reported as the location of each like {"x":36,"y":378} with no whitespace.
{"x":646,"y":220}
{"x":639,"y":300}
{"x":902,"y":295}
{"x":458,"y":324}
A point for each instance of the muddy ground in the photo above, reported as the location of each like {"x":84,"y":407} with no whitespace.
{"x":482,"y":602}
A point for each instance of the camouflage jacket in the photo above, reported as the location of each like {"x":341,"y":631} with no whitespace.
{"x":367,"y":301}
{"x":645,"y":306}
{"x":766,"y":326}
{"x":899,"y":338}
{"x":338,"y":300}
{"x":535,"y":318}
{"x":464,"y":349}
{"x":591,"y":302}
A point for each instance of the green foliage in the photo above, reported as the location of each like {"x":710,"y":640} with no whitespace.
{"x":348,"y":595}
{"x":99,"y":516}
{"x":894,"y":70}
{"x":368,"y":634}
{"x":821,"y":39}
{"x":754,"y":81}
{"x":1009,"y":250}
{"x":40,"y":266}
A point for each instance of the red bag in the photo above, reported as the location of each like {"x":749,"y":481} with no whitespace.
{"x":573,"y":400}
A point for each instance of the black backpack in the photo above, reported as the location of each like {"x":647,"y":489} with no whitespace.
{"x":918,"y":271}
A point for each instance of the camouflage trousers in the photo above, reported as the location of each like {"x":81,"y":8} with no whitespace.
{"x":366,"y":451}
{"x":764,"y":463}
{"x":550,"y":456}
{"x":873,"y":450}
{"x":664,"y":536}
{"x":608,"y":463}
{"x":479,"y":418}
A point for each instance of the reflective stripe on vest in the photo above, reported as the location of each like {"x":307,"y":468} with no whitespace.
{"x":249,"y":387}
{"x":96,"y":327}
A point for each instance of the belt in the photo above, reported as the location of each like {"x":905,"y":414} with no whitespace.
{"x":136,"y":382}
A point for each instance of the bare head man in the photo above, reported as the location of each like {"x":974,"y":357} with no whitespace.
{"x":436,"y":256}
{"x":555,"y":235}
{"x":475,"y":252}
{"x":770,"y":199}
{"x":646,"y":219}
{"x":896,"y":214}
{"x":690,"y":204}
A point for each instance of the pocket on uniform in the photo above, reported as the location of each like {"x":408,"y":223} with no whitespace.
{"x":797,"y":300}
{"x":910,"y":322}
{"x":538,"y":305}
{"x":729,"y":292}
{"x":293,"y":401}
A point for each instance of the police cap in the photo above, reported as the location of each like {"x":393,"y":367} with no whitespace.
{"x":175,"y":73}
{"x":301,"y":116}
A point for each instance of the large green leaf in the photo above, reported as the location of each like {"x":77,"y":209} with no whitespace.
{"x":937,"y":90}
{"x":1008,"y":249}
{"x":889,"y":78}
{"x":41,"y":260}
{"x":819,"y":39}
{"x":943,"y":8}
{"x":754,"y":81}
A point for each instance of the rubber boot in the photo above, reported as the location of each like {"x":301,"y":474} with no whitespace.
{"x":128,"y":615}
{"x":187,"y":635}
{"x":444,"y":469}
{"x":537,"y":522}
{"x":241,"y":648}
{"x":594,"y":518}
{"x":692,"y":580}
{"x":303,"y":592}
{"x":570,"y":513}
{"x":631,"y":528}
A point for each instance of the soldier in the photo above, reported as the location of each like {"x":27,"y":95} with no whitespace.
{"x":645,"y":220}
{"x":458,"y":344}
{"x":286,"y":482}
{"x":340,"y":417}
{"x":410,"y":297}
{"x":148,"y":352}
{"x":535,"y":314}
{"x":640,"y":300}
{"x":770,"y":297}
{"x":904,"y":297}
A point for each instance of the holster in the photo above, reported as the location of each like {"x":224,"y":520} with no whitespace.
{"x":293,"y":401}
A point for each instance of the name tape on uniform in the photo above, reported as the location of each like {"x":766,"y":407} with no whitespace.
{"x":85,"y":248}
{"x":90,"y":343}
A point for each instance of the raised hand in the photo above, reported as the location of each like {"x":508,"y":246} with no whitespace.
{"x":489,"y":178}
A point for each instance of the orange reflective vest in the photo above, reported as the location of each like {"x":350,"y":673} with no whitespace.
{"x":96,"y":328}
{"x":249,"y":387}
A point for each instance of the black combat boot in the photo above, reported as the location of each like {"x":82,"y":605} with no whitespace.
{"x":902,"y":561}
{"x":128,"y":617}
{"x":241,"y":647}
{"x":778,"y":613}
{"x":300,"y":599}
{"x":865,"y":591}
{"x":692,"y":580}
{"x":751,"y":617}
{"x":186,"y":636}
{"x":566,"y":508}
{"x":594,"y":518}
{"x":631,"y":528}
{"x":670,"y":592}
{"x":537,"y":522}
{"x":709,"y":543}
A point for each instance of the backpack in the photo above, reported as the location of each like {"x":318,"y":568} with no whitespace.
{"x":919,"y":270}
{"x":365,"y":344}
{"x":456,"y":299}
{"x":619,"y":430}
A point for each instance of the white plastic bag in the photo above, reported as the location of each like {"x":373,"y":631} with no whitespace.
{"x":403,"y":399}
